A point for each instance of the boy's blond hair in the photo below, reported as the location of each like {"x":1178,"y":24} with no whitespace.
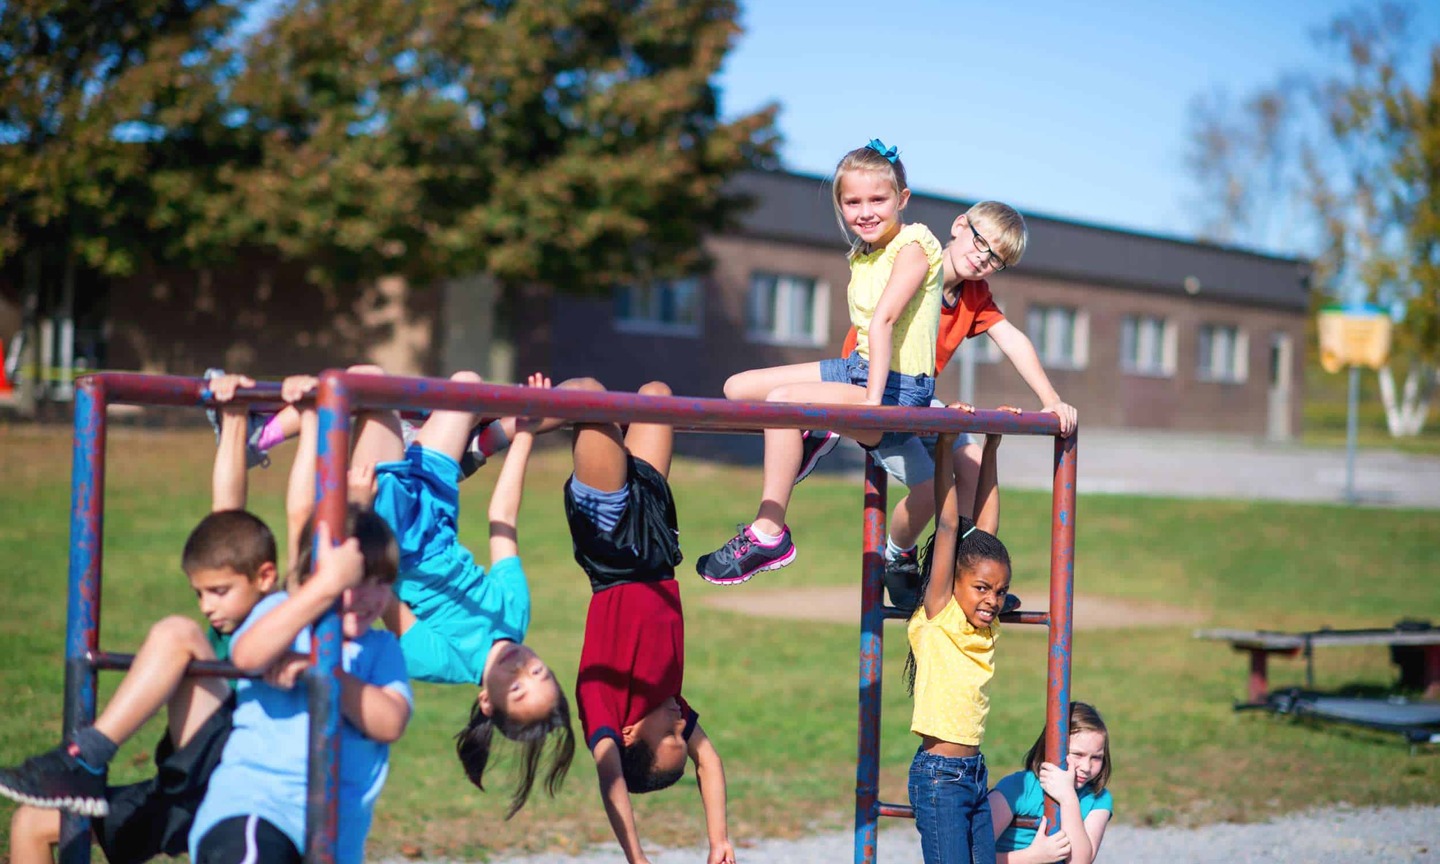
{"x":1004,"y":229}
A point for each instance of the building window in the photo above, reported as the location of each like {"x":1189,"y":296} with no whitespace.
{"x":1061,"y":335}
{"x":787,"y":310}
{"x":667,"y":307}
{"x":1223,"y":353}
{"x":1147,"y":346}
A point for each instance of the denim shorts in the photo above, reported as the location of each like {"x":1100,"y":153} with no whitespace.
{"x":952,"y":808}
{"x":912,"y":460}
{"x":905,"y":391}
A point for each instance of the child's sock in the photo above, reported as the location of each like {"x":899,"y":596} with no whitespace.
{"x":892,"y":551}
{"x":271,"y":434}
{"x":765,"y":539}
{"x":492,"y":439}
{"x":95,"y":750}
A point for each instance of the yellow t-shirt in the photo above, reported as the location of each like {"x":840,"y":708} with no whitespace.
{"x":912,"y":349}
{"x":954,"y":663}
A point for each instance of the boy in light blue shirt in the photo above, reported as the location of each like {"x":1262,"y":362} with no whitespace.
{"x":255,"y":810}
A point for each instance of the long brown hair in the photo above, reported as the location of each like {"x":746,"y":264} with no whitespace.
{"x":1083,"y":718}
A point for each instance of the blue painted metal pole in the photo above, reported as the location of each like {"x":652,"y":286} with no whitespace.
{"x":872,"y":656}
{"x":1062,"y":597}
{"x":323,"y":793}
{"x":82,"y":615}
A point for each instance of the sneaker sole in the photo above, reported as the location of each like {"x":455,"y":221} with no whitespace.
{"x":745,"y":577}
{"x":92,"y":807}
{"x":815,"y":458}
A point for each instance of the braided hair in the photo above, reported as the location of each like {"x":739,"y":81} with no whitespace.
{"x":972,"y":547}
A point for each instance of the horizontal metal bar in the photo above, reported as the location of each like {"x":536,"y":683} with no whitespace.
{"x":1041,"y":618}
{"x":899,"y":811}
{"x":134,"y":388}
{"x":382,"y":391}
{"x":196,"y":669}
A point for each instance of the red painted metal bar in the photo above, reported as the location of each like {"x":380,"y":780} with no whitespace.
{"x":872,"y":656}
{"x":82,"y":624}
{"x":322,"y":815}
{"x":109,"y":660}
{"x":1062,"y":596}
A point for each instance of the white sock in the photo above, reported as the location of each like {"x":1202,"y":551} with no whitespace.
{"x":893,"y":552}
{"x":765,"y":539}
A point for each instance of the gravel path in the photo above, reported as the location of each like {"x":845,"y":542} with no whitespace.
{"x":1386,"y":836}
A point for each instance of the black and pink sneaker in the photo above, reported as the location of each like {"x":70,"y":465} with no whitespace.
{"x":743,"y":556}
{"x":57,"y":779}
{"x":816,"y":444}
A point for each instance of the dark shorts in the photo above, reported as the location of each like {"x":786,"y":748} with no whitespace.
{"x":153,"y":817}
{"x":246,"y":840}
{"x":644,"y":546}
{"x":906,"y":391}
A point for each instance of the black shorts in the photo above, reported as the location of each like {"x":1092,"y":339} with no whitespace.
{"x":644,"y":546}
{"x":153,"y":817}
{"x":246,"y":840}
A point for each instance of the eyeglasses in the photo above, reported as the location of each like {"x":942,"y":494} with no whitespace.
{"x":983,"y":247}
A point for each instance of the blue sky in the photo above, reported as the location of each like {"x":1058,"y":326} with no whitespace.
{"x":1077,"y":110}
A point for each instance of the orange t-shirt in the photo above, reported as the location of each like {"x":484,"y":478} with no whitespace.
{"x":973,"y":313}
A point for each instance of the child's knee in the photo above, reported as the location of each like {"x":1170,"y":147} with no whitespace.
{"x":32,"y":825}
{"x":736,"y":386}
{"x":465,"y":376}
{"x":178,"y":631}
{"x":365,"y":369}
{"x":655,"y":388}
{"x":580,"y":384}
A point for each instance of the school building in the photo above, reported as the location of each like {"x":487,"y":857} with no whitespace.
{"x":1135,"y":330}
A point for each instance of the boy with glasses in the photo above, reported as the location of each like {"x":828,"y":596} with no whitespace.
{"x":984,"y":240}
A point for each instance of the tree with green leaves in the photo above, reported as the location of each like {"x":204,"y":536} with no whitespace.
{"x":575,"y":144}
{"x":107,"y":111}
{"x":1349,"y":161}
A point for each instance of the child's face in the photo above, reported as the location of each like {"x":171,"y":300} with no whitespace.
{"x":361,"y":605}
{"x":963,"y":251}
{"x":227,"y":596}
{"x":1086,"y":756}
{"x":520,"y":683}
{"x":871,"y":206}
{"x":981,"y":591}
{"x":664,"y":730}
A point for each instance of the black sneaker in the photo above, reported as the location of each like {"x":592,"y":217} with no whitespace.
{"x":1012,"y":602}
{"x":902,"y":581}
{"x":816,"y":443}
{"x":57,"y":779}
{"x":743,"y":556}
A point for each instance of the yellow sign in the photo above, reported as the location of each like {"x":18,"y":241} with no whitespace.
{"x":1353,"y":338}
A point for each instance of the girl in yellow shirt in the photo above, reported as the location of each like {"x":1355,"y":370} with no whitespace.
{"x":894,"y":300}
{"x":964,"y":580}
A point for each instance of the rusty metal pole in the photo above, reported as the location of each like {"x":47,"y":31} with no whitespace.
{"x":1062,"y":597}
{"x":872,"y":656}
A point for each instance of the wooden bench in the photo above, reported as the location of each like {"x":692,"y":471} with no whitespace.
{"x":1263,"y":643}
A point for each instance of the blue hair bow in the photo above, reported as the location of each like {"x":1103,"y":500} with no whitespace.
{"x":879,"y":147}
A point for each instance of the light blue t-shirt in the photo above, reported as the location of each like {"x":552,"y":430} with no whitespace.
{"x":1023,"y":793}
{"x":461,"y":609}
{"x":263,"y":768}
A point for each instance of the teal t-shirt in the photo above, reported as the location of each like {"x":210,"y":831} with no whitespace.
{"x":220,"y":642}
{"x":456,"y":625}
{"x":1023,"y":793}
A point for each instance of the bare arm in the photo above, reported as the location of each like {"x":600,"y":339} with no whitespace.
{"x":300,"y":491}
{"x":1044,"y":849}
{"x":229,"y":482}
{"x":617,"y":800}
{"x":906,"y":278}
{"x":1015,"y":345}
{"x":1060,"y":786}
{"x":987,"y":488}
{"x":947,"y":526}
{"x":710,"y":773}
{"x":1095,"y":825}
{"x":270,"y":638}
{"x":378,"y":712}
{"x":505,"y":500}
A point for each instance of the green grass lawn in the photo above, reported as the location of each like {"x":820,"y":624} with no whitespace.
{"x":779,"y":698}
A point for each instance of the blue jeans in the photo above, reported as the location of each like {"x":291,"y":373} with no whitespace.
{"x":952,"y":809}
{"x":906,"y":391}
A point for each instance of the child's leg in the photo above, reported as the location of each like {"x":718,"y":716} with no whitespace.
{"x":783,"y":447}
{"x":597,"y":448}
{"x":448,"y":432}
{"x":157,"y":678}
{"x":33,"y":831}
{"x":757,"y":383}
{"x":653,"y":442}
